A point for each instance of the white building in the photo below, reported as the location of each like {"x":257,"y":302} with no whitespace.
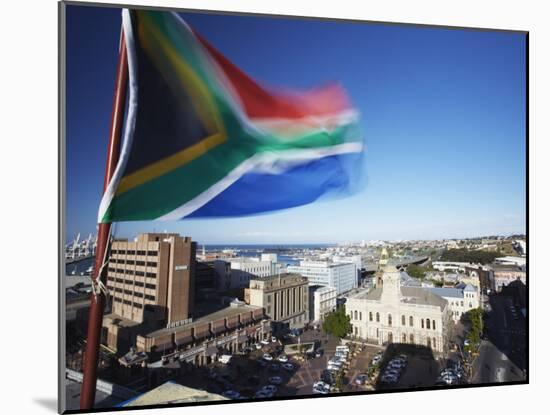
{"x":241,"y":271}
{"x":322,"y":300}
{"x":450,"y":265}
{"x":461,"y":299}
{"x":511,"y":260}
{"x":342,"y":276}
{"x":392,"y":313}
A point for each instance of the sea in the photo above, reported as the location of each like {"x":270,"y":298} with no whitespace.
{"x":286,"y":253}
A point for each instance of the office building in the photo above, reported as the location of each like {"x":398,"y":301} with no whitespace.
{"x":322,"y":300}
{"x":341,"y":276}
{"x":151,"y":283}
{"x":284,"y":297}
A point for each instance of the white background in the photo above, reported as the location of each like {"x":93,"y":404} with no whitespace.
{"x":28,"y":237}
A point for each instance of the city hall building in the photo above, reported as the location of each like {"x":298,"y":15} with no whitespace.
{"x":392,"y":313}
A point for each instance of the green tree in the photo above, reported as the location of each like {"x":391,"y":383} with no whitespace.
{"x":337,"y":323}
{"x":416,"y":271}
{"x":475,"y":319}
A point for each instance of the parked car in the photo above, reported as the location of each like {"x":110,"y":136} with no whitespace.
{"x":282,"y":358}
{"x":267,"y":357}
{"x":257,"y":346}
{"x":321,"y":388}
{"x":263,"y":394}
{"x":265,"y":342}
{"x":361,"y":379}
{"x":318,"y":353}
{"x":273,"y":339}
{"x":270,"y":389}
{"x":275,"y":380}
{"x":390,"y":379}
{"x":289,"y":367}
{"x":225,"y":358}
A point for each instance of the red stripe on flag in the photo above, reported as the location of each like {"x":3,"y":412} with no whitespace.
{"x":259,"y":103}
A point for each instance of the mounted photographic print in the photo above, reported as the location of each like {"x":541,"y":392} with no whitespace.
{"x":259,"y":207}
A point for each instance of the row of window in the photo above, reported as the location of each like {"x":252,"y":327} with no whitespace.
{"x":132,"y":262}
{"x":430,"y":324}
{"x":136,"y":283}
{"x":133,"y":252}
{"x":130,"y":272}
{"x":120,"y":300}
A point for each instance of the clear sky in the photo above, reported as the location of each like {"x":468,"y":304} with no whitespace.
{"x":443,"y":113}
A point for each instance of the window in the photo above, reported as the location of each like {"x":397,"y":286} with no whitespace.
{"x":411,"y":338}
{"x":378,"y":317}
{"x":403,"y":320}
{"x":433,"y":324}
{"x":429,"y":342}
{"x":470,"y":304}
{"x":462,"y":304}
{"x":389,"y":320}
{"x":370,"y":315}
{"x":360,"y":316}
{"x":433,"y":343}
{"x":404,"y":338}
{"x":411,"y":321}
{"x":355,"y":318}
{"x":422,"y":323}
{"x":428,"y":323}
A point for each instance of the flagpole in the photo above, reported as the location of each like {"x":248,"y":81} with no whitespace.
{"x":95,"y":319}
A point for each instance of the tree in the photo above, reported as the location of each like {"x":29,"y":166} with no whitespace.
{"x":337,"y":323}
{"x":475,"y":319}
{"x":465,"y":255}
{"x":416,"y":271}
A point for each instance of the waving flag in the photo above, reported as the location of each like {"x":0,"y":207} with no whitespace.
{"x":203,"y":139}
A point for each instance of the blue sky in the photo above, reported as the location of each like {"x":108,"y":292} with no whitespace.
{"x":443,"y":113}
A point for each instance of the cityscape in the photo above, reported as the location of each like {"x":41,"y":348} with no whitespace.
{"x":187,"y":322}
{"x":267,"y":208}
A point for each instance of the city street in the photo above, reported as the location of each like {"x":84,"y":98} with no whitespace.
{"x":502,"y":356}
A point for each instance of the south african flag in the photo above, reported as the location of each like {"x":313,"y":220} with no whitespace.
{"x":203,"y":139}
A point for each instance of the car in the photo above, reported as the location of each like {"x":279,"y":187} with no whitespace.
{"x":273,"y":339}
{"x":264,"y":342}
{"x":262,"y":363}
{"x":342,"y":349}
{"x":231,"y":394}
{"x":267,"y":357}
{"x":270,"y":389}
{"x":275,"y":380}
{"x":257,"y":346}
{"x":397,"y":364}
{"x":318,"y":353}
{"x":282,"y":358}
{"x":263,"y":394}
{"x":376,"y":359}
{"x":361,"y":379}
{"x":321,"y":387}
{"x":225,"y":358}
{"x":328,"y":377}
{"x":389,"y":379}
{"x":466,"y":342}
{"x":274,"y":367}
{"x":289,"y":367}
{"x":392,"y":372}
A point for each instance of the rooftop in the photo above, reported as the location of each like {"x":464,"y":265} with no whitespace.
{"x":171,"y":393}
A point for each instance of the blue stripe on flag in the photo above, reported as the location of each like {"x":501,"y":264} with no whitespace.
{"x":259,"y":192}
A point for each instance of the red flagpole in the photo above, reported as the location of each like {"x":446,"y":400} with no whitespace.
{"x":95,"y":319}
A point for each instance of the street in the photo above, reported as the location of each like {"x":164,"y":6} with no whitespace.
{"x":502,"y":355}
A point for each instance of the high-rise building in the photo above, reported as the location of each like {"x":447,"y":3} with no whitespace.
{"x":151,"y":283}
{"x":284,"y":297}
{"x":342,"y":276}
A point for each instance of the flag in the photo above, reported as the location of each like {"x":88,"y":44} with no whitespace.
{"x":203,"y":139}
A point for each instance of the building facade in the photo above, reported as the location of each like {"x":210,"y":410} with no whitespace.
{"x":200,"y":341}
{"x":151,"y":283}
{"x":341,"y":276}
{"x":284,"y":298}
{"x":391,"y":313}
{"x":322,"y":300}
{"x":505,"y":274}
{"x":461,"y":299}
